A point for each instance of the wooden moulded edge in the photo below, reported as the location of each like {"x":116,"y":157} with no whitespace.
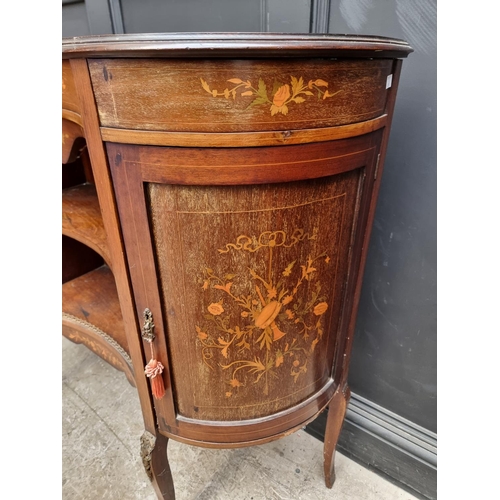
{"x":241,"y":139}
{"x":253,"y":431}
{"x":234,"y":45}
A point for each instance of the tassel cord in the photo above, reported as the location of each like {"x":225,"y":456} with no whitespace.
{"x":153,"y":371}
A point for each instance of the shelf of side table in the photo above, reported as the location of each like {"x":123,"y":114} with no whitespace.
{"x":92,"y":316}
{"x":82,"y":218}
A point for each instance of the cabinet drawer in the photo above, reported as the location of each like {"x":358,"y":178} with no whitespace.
{"x":237,"y":95}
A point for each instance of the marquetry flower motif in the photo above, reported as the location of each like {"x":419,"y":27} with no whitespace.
{"x":320,"y":308}
{"x":279,"y":98}
{"x":235,"y":383}
{"x":215,"y":308}
{"x":265,"y":318}
{"x":201,"y":335}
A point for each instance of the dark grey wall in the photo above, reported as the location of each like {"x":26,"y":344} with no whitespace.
{"x":74,"y":19}
{"x":149,"y":16}
{"x":394,"y":354}
{"x":87,"y":17}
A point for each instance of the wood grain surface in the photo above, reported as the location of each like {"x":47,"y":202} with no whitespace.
{"x":234,"y":166}
{"x":112,"y":226}
{"x":252,"y":302}
{"x":234,"y":45}
{"x":196,"y":240}
{"x":92,"y":316}
{"x":77,"y":259}
{"x":238,"y":95}
{"x":82,"y":219}
{"x":241,"y":139}
{"x":69,"y":95}
{"x":72,"y":140}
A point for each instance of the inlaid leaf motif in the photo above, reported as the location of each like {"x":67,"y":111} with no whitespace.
{"x":204,"y":84}
{"x":288,"y":269}
{"x":281,"y":96}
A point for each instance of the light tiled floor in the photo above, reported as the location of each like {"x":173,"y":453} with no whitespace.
{"x":102,"y":425}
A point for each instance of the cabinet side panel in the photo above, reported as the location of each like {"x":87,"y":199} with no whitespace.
{"x":252,"y":280}
{"x":69,"y":95}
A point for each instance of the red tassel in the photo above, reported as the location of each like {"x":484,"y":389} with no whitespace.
{"x":153,"y":370}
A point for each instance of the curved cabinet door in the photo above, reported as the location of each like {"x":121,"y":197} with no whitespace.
{"x":247,"y":258}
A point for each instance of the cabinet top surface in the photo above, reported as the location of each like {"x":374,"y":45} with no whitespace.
{"x":230,"y":45}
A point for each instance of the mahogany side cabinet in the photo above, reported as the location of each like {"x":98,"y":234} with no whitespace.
{"x":231,"y":188}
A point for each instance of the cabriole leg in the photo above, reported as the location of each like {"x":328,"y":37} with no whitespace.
{"x":155,"y":461}
{"x":335,"y":419}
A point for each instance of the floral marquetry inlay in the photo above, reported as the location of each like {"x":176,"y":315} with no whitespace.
{"x":281,"y":95}
{"x":276,"y":318}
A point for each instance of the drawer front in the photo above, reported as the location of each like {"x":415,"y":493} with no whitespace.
{"x":237,"y":95}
